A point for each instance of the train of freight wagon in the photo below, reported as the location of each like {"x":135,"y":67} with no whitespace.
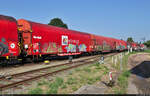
{"x":22,"y":39}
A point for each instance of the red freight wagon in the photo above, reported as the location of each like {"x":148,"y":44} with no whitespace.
{"x":108,"y":44}
{"x":100,"y":43}
{"x":142,"y":46}
{"x":96,"y":43}
{"x":124,"y":45}
{"x":115,"y":43}
{"x":134,"y":46}
{"x":45,"y":39}
{"x":8,"y":37}
{"x":119,"y":45}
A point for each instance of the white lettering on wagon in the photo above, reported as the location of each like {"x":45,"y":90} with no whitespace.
{"x":37,"y":37}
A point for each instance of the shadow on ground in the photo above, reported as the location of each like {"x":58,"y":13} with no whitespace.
{"x":142,"y":70}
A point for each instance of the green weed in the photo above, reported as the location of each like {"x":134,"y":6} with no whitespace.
{"x":126,"y":73}
{"x":59,"y":81}
{"x":35,"y":91}
{"x":70,"y":72}
{"x":55,"y":85}
{"x":52,"y":91}
{"x":63,"y":86}
{"x":86,"y":69}
{"x":71,"y":81}
{"x":74,"y":88}
{"x":77,"y":69}
{"x":91,"y":80}
{"x":42,"y":82}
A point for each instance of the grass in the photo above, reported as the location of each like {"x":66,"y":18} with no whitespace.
{"x":147,"y":51}
{"x":53,"y":87}
{"x":74,"y":88}
{"x":102,"y":67}
{"x":82,"y":76}
{"x":92,"y":80}
{"x":70,"y":72}
{"x":122,"y":82}
{"x":71,"y":81}
{"x":64,"y":85}
{"x":87,"y":69}
{"x":123,"y":77}
{"x":77,"y":69}
{"x":36,"y":91}
{"x":126,"y":73}
{"x":42,"y":82}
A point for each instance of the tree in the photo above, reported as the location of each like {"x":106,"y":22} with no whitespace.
{"x":58,"y":22}
{"x":147,"y":43}
{"x":130,"y":39}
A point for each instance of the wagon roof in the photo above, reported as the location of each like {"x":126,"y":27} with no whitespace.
{"x":3,"y":17}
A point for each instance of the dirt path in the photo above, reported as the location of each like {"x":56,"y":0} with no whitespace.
{"x":139,"y":81}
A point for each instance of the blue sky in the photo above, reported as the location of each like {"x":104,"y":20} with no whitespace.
{"x":111,"y":18}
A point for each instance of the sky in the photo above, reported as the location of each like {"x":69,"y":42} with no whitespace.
{"x":112,"y":18}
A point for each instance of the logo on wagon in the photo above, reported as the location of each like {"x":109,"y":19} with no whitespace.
{"x":64,"y":40}
{"x":12,"y":45}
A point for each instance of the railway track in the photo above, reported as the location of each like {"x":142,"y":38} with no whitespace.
{"x":14,"y":80}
